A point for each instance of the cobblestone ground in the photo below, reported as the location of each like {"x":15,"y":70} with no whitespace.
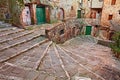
{"x":26,"y":55}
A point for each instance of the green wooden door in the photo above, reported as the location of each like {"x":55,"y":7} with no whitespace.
{"x":40,"y":14}
{"x":79,"y":14}
{"x":88,"y":30}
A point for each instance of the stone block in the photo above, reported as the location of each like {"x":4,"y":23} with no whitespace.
{"x":82,"y":78}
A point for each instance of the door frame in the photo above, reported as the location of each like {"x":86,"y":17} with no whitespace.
{"x":40,"y":6}
{"x":88,"y":28}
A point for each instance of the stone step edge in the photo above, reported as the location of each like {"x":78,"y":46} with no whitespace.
{"x":43,"y":55}
{"x":6,"y":29}
{"x":89,"y":70}
{"x":61,"y":62}
{"x":20,"y":42}
{"x":16,"y":37}
{"x":12,"y":32}
{"x":13,"y":65}
{"x":25,"y":50}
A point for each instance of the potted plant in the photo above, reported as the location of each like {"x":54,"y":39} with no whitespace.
{"x":116,"y":45}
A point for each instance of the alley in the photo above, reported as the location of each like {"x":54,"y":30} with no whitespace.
{"x":28,"y":55}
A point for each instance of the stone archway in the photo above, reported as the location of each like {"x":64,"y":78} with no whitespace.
{"x":26,"y":16}
{"x":61,"y":16}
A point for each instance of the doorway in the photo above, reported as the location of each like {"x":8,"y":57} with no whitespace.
{"x":88,"y":30}
{"x":40,"y":14}
{"x":61,"y":13}
{"x":26,"y":16}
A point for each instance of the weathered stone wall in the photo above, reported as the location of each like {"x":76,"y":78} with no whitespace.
{"x":86,"y":6}
{"x":64,"y":31}
{"x":69,"y":8}
{"x":4,"y":9}
{"x":109,"y":9}
{"x":16,"y":8}
{"x":97,"y":3}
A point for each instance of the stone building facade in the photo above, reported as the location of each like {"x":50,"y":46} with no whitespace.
{"x":4,"y":9}
{"x":92,"y":8}
{"x":110,"y":11}
{"x":103,"y":11}
{"x":30,"y":12}
{"x":65,"y":30}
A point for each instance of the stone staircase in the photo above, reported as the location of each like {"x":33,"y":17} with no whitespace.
{"x":26,"y":55}
{"x":4,"y":25}
{"x":13,"y":46}
{"x":21,"y":52}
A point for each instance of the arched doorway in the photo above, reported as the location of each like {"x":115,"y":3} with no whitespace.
{"x":26,"y":16}
{"x":40,"y":14}
{"x":61,"y":13}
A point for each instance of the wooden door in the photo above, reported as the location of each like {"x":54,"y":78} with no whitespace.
{"x":79,"y":14}
{"x":40,"y":14}
{"x":88,"y":30}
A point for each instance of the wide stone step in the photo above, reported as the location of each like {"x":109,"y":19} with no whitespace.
{"x":6,"y":29}
{"x":70,"y":66}
{"x":52,"y":65}
{"x":12,"y":72}
{"x":32,"y":58}
{"x":84,"y":68}
{"x":81,"y":39}
{"x":14,"y":36}
{"x":46,"y":62}
{"x":19,"y":49}
{"x":87,"y":38}
{"x":18,"y":41}
{"x":45,"y":76}
{"x":9,"y":32}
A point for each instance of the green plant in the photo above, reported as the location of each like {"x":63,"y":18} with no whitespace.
{"x":53,"y":21}
{"x":29,"y":28}
{"x":116,"y":45}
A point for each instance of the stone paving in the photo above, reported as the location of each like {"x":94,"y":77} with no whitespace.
{"x":26,"y":55}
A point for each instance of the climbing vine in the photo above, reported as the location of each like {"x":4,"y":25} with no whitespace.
{"x":20,"y":5}
{"x":116,"y":46}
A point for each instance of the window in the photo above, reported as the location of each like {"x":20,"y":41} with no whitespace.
{"x":119,"y":12}
{"x":71,"y":7}
{"x":113,"y":2}
{"x":110,"y":17}
{"x":100,"y":0}
{"x":61,"y":31}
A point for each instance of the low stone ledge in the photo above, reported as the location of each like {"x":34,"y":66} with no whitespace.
{"x":105,"y":42}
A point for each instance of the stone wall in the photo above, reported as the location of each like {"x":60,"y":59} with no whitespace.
{"x":4,"y":9}
{"x":109,"y":9}
{"x":64,"y":31}
{"x":86,"y":6}
{"x":97,"y":3}
{"x":69,"y":8}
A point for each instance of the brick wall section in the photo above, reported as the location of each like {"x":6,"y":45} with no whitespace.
{"x":109,"y":9}
{"x":64,"y":31}
{"x":4,"y":8}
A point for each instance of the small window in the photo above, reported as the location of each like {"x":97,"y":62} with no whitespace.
{"x":110,"y":17}
{"x":113,"y":2}
{"x":100,"y":0}
{"x":71,"y":7}
{"x":119,"y":12}
{"x":61,"y":31}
